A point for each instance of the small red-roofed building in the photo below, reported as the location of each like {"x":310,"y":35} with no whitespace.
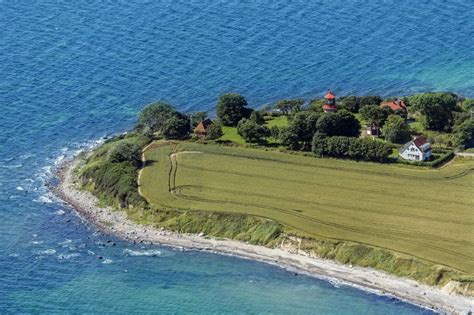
{"x":419,"y":149}
{"x":397,"y":105}
{"x":201,"y":128}
{"x":329,"y":105}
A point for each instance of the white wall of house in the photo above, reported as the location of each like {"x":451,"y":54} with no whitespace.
{"x":412,"y":153}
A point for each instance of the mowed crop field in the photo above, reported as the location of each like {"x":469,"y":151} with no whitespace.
{"x":425,"y":213}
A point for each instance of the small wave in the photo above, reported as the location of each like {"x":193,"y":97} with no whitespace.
{"x":14,"y":255}
{"x":47,"y":252}
{"x":68,"y":256}
{"x":60,"y":212}
{"x":26,"y":156}
{"x":36,"y":242}
{"x":107,"y":261}
{"x":65,"y":243}
{"x":43,"y":199}
{"x":11,"y":166}
{"x":335,"y":283}
{"x":148,"y":253}
{"x":19,"y":188}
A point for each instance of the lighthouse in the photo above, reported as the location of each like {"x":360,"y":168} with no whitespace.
{"x":329,"y":105}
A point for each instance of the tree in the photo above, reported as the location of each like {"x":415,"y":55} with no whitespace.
{"x":349,"y":103}
{"x":290,"y":105}
{"x":316,"y":105}
{"x":289,"y":138}
{"x":197,"y":117}
{"x":275,"y":132}
{"x":155,"y":115}
{"x":251,"y":131}
{"x":214,"y":131}
{"x":300,"y":130}
{"x":257,"y":117}
{"x":396,"y":130}
{"x":375,"y":115}
{"x":369,"y":100}
{"x":437,"y":109}
{"x":468,"y":104}
{"x":341,"y":123}
{"x":176,"y":127}
{"x":231,"y":108}
{"x":125,"y":152}
{"x":464,"y":134}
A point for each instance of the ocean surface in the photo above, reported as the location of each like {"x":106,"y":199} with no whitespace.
{"x":72,"y":72}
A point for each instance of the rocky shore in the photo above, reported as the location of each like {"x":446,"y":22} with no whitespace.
{"x":116,"y":222}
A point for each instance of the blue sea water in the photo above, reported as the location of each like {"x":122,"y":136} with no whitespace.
{"x":74,"y":71}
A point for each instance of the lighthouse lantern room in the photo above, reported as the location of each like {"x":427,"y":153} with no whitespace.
{"x":329,"y":105}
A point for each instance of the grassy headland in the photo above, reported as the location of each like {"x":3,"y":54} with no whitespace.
{"x":409,"y":221}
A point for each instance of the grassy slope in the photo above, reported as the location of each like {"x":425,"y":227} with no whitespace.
{"x":426,"y":214}
{"x":230,"y":133}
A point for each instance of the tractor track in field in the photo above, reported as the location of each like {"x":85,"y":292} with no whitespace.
{"x":379,"y":233}
{"x":387,"y":228}
{"x":346,"y":169}
{"x":312,"y":203}
{"x":302,"y":182}
{"x":384,"y":233}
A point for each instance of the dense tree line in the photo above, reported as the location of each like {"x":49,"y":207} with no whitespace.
{"x":438,"y":109}
{"x":351,"y":148}
{"x":354,"y":103}
{"x":302,"y":126}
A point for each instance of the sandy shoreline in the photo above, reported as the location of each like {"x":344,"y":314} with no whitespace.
{"x":116,"y":222}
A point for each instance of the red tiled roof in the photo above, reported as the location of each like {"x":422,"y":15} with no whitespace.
{"x":419,"y":141}
{"x":330,"y":95}
{"x":395,"y":105}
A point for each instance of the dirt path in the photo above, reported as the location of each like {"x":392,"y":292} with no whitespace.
{"x":173,"y":159}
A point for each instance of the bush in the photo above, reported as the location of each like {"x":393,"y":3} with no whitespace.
{"x":341,"y":123}
{"x":125,"y":152}
{"x":464,"y":134}
{"x":441,"y":157}
{"x":257,"y":117}
{"x":351,"y":148}
{"x":251,"y":131}
{"x":214,"y":131}
{"x":395,"y":129}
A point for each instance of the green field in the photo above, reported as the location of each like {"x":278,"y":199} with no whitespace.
{"x":427,"y":214}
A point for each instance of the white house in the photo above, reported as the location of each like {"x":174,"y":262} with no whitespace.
{"x":416,"y":150}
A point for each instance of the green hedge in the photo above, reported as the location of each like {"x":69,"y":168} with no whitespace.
{"x":445,"y":155}
{"x":351,"y":148}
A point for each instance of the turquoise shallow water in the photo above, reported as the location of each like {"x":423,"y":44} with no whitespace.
{"x":72,"y":72}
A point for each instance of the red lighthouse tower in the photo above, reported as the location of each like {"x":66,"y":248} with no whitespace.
{"x":329,"y":105}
